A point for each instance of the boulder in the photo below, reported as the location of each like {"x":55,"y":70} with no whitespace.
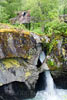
{"x":19,"y":43}
{"x":17,"y":79}
{"x":16,"y":69}
{"x":16,"y":91}
{"x":19,"y":53}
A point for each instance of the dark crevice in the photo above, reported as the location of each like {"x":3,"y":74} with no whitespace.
{"x":16,"y":91}
{"x":45,"y":50}
{"x":41,"y":82}
{"x":61,"y":81}
{"x":38,"y":63}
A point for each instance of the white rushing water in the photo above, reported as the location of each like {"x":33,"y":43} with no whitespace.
{"x":51,"y":92}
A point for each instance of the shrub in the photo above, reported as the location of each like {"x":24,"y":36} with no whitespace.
{"x":3,"y":15}
{"x":51,"y":63}
{"x":56,"y":27}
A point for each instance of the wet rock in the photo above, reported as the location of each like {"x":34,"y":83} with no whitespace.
{"x":19,"y":54}
{"x":57,"y":52}
{"x":16,"y":91}
{"x":56,"y":59}
{"x":60,"y":78}
{"x":17,"y":79}
{"x":41,"y":82}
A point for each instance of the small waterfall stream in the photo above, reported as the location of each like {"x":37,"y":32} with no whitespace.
{"x":49,"y":83}
{"x":51,"y":92}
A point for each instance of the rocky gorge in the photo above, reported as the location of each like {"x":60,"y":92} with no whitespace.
{"x":21,"y":67}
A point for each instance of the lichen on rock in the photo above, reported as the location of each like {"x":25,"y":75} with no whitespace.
{"x":19,"y":53}
{"x":56,"y":58}
{"x":16,"y":69}
{"x":18,"y":43}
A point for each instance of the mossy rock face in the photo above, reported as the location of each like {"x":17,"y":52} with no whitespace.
{"x":18,"y":43}
{"x":56,"y":52}
{"x":16,"y":69}
{"x":17,"y":78}
{"x":19,"y":53}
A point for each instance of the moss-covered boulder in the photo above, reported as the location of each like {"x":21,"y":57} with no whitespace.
{"x":16,"y":69}
{"x":19,"y":53}
{"x":18,"y":43}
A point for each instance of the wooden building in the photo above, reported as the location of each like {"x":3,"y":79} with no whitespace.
{"x":23,"y":17}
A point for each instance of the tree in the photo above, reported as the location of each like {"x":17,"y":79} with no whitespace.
{"x":11,"y":6}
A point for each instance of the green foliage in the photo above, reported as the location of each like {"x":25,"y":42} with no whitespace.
{"x":19,"y":26}
{"x":56,"y":27}
{"x":51,"y":63}
{"x":40,"y":9}
{"x":53,"y":14}
{"x":44,"y":12}
{"x":52,"y":44}
{"x":11,"y":6}
{"x":37,"y":30}
{"x":15,"y":26}
{"x":3,"y":15}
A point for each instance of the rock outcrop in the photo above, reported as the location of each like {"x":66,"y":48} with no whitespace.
{"x":56,"y":58}
{"x":56,"y":51}
{"x":19,"y":53}
{"x":14,"y":43}
{"x":21,"y":61}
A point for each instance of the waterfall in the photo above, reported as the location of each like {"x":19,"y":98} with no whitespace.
{"x":50,"y":88}
{"x":51,"y":92}
{"x":49,"y":83}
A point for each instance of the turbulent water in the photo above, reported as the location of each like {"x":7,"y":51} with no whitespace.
{"x":51,"y":92}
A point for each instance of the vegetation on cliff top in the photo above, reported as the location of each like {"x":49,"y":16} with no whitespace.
{"x":46,"y":19}
{"x":45,"y":15}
